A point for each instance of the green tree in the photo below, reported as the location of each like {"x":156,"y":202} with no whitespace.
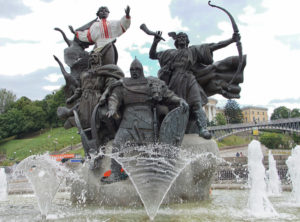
{"x":281,"y":113}
{"x":12,"y":123}
{"x":50,"y":105}
{"x":232,"y":112}
{"x":7,"y":98}
{"x":21,"y":103}
{"x":296,"y":138}
{"x":274,"y":140}
{"x":26,"y":116}
{"x":220,"y":119}
{"x":295,"y":113}
{"x":35,"y":118}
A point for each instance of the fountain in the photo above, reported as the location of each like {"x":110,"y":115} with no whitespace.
{"x":3,"y":185}
{"x":294,"y":172}
{"x":45,"y":175}
{"x":258,"y":202}
{"x":171,"y":159}
{"x":273,"y":181}
{"x":158,"y":174}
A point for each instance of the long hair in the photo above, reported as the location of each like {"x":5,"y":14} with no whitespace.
{"x":175,"y":37}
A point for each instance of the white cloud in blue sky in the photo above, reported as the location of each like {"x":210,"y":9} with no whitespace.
{"x":269,"y":29}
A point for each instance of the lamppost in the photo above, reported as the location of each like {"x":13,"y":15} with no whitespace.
{"x":55,"y":143}
{"x":72,"y":142}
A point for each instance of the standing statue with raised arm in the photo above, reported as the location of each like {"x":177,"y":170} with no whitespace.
{"x":103,"y":34}
{"x":190,"y":72}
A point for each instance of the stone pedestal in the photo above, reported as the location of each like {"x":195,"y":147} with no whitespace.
{"x":192,"y":184}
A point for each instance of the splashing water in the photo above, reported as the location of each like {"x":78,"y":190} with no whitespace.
{"x":45,"y":175}
{"x":273,"y":182}
{"x":258,"y":202}
{"x":3,"y":185}
{"x":294,"y":172}
{"x":153,"y":169}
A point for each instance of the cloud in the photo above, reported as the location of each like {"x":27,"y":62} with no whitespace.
{"x":5,"y":41}
{"x":13,"y":8}
{"x":293,"y":41}
{"x":51,"y":88}
{"x":53,"y":77}
{"x":269,"y":38}
{"x":202,"y":20}
{"x":287,"y":100}
{"x":32,"y":85}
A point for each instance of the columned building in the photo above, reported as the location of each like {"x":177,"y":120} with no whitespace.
{"x":211,"y":109}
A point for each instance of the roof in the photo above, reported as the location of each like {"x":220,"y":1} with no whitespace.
{"x":254,"y":107}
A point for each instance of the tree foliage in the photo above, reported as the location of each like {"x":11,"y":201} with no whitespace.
{"x":220,"y":119}
{"x":7,"y":98}
{"x":275,"y":140}
{"x":25,"y":116}
{"x":295,"y":113}
{"x":280,"y":113}
{"x":232,"y":112}
{"x":283,"y":112}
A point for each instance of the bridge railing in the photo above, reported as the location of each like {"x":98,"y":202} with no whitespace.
{"x":258,"y":124}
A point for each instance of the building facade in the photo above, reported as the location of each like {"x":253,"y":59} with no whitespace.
{"x":211,"y":109}
{"x":252,"y":114}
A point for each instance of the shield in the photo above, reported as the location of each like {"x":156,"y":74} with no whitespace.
{"x":173,"y":127}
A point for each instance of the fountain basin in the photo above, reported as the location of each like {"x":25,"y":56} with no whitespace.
{"x":191,"y":185}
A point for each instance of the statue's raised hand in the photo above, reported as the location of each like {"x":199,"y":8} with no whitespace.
{"x":127,"y":11}
{"x":236,"y":37}
{"x":157,"y":36}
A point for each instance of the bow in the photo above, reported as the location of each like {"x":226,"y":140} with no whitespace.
{"x":238,"y":43}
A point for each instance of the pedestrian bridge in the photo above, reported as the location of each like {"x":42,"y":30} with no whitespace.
{"x":220,"y":132}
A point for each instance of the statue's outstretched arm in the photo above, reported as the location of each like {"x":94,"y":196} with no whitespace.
{"x":156,"y":40}
{"x":215,"y":46}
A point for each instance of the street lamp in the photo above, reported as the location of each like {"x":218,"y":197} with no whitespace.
{"x":72,"y":142}
{"x":55,"y":143}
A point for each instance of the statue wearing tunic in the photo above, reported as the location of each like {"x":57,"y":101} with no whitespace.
{"x":189,"y":70}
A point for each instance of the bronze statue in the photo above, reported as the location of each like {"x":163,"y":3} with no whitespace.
{"x":94,"y":87}
{"x":75,"y":55}
{"x":138,"y":97}
{"x":103,"y":34}
{"x":190,"y":72}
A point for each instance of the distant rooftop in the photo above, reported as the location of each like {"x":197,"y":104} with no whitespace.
{"x":254,"y":107}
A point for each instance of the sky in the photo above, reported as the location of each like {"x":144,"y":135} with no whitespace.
{"x":269,"y":29}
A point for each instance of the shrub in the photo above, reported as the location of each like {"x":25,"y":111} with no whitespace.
{"x":275,"y":140}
